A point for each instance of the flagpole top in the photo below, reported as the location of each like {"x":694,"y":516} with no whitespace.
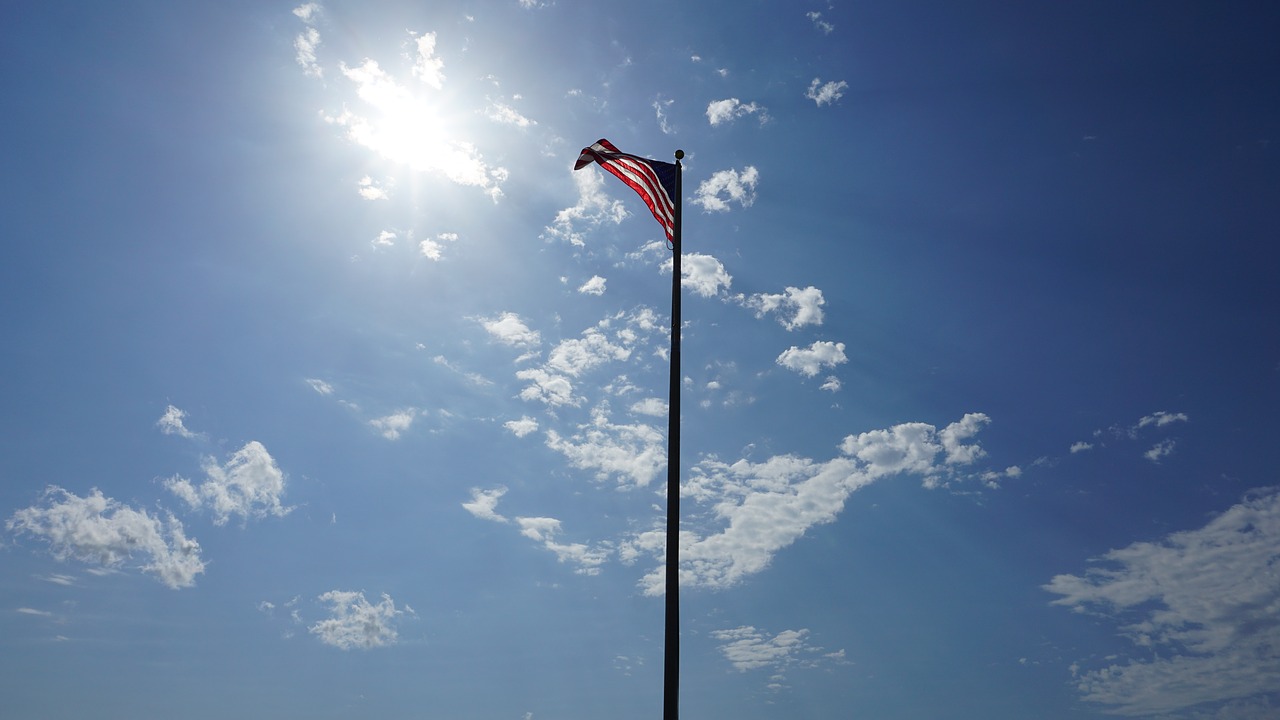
{"x":679,"y":154}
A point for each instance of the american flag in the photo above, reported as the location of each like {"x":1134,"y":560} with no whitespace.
{"x":655,"y":181}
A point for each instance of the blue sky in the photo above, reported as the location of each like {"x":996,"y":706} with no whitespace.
{"x":333,"y":391}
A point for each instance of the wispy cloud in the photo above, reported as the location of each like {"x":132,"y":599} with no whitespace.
{"x":822,"y":25}
{"x":766,"y":506}
{"x":1199,"y":607}
{"x":594,"y":286}
{"x":508,"y":329}
{"x":749,"y":649}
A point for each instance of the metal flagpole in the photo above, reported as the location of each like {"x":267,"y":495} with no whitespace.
{"x":671,"y":647}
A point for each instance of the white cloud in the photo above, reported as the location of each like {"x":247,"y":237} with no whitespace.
{"x":308,"y":41}
{"x":764,"y":507}
{"x":577,"y":355}
{"x":660,"y":109}
{"x":594,"y":207}
{"x":320,"y":386}
{"x":386,"y":238}
{"x":356,"y":623}
{"x":594,"y":286}
{"x":484,"y":502}
{"x":249,"y":485}
{"x":98,"y":529}
{"x":825,"y":93}
{"x":430,"y":249}
{"x":33,"y":611}
{"x":509,"y":329}
{"x":650,"y":406}
{"x":1200,"y":607}
{"x":747,"y":648}
{"x":1161,"y":418}
{"x":307,"y":12}
{"x":632,"y":454}
{"x":550,"y":388}
{"x":1159,"y":450}
{"x":810,"y":361}
{"x":795,"y":308}
{"x":1079,"y":447}
{"x":369,"y":189}
{"x":521,"y":427}
{"x":735,"y":186}
{"x":427,"y":67}
{"x":502,"y":113}
{"x":701,"y":274}
{"x":171,"y":423}
{"x":953,"y":435}
{"x":819,"y":23}
{"x":545,"y":530}
{"x":831,"y":384}
{"x":392,"y":425}
{"x":724,"y":111}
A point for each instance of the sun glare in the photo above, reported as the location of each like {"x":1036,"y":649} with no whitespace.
{"x":408,"y":128}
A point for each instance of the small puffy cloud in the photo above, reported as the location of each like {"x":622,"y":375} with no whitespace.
{"x":650,"y":406}
{"x":521,"y":427}
{"x":725,"y":186}
{"x":551,"y":388}
{"x":386,"y":238}
{"x":832,"y":384}
{"x":594,"y":286}
{"x":1079,"y":447}
{"x":484,"y":503}
{"x":308,"y":41}
{"x":810,"y":361}
{"x":250,"y":485}
{"x":427,"y":67}
{"x":307,"y":12}
{"x":701,"y":274}
{"x":430,"y":249}
{"x":825,"y":93}
{"x":357,"y":624}
{"x":392,"y":425}
{"x":171,"y":423}
{"x":369,"y":189}
{"x":1200,"y":608}
{"x":577,"y":355}
{"x":98,"y":529}
{"x":509,"y":329}
{"x":794,"y":307}
{"x":720,"y":112}
{"x":594,"y":208}
{"x":1161,"y":449}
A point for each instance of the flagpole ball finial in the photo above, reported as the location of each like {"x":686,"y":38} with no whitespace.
{"x":679,"y":154}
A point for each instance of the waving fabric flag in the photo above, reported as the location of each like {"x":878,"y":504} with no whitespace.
{"x":655,"y":181}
